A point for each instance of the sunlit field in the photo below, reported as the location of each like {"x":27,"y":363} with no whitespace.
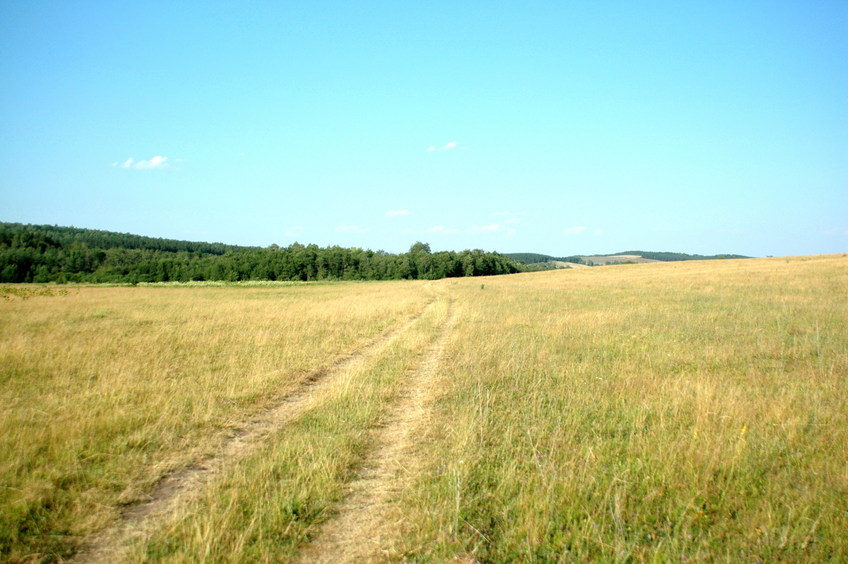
{"x":657,"y":412}
{"x":650,"y":412}
{"x":105,"y":390}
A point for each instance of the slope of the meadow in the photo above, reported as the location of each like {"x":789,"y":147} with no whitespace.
{"x":650,"y":412}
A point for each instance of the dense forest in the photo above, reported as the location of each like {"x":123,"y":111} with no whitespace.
{"x":43,"y":253}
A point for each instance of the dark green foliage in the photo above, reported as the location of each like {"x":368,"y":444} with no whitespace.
{"x":39,"y":253}
{"x":535,"y":258}
{"x":530,"y":258}
{"x":40,"y":236}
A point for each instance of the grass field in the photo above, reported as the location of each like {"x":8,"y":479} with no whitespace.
{"x":649,"y":412}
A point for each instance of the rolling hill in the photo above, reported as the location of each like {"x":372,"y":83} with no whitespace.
{"x":545,"y":262}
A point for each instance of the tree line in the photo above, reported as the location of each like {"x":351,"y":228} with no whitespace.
{"x":39,"y":253}
{"x":536,"y":258}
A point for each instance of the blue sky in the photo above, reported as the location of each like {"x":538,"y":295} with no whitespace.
{"x":553,"y":127}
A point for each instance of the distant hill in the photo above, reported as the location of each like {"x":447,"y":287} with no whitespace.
{"x":628,"y":258}
{"x":56,"y":236}
{"x":617,"y":258}
{"x":673,"y":257}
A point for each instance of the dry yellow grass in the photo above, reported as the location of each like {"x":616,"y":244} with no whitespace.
{"x":268,"y":505}
{"x":105,"y":390}
{"x":650,"y":412}
{"x":647,"y":412}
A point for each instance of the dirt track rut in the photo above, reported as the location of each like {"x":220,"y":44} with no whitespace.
{"x":360,"y":531}
{"x":173,"y":491}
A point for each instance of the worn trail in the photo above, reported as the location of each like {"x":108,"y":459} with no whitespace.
{"x":360,"y":531}
{"x":179,"y":488}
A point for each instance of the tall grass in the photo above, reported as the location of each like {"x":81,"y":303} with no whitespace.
{"x":105,"y":390}
{"x":273,"y":501}
{"x":642,"y":413}
{"x":657,"y":412}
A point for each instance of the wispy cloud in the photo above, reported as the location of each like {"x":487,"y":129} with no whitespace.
{"x":396,"y":213}
{"x":353,"y":229}
{"x":293,"y":231}
{"x":155,"y":162}
{"x":449,"y":146}
{"x":574,"y":230}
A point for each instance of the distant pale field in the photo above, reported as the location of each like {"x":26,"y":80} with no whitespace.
{"x":618,"y":259}
{"x":648,"y":412}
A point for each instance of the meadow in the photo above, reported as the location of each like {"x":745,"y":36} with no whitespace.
{"x":634,"y":413}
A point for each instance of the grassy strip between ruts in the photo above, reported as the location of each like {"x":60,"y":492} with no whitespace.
{"x":268,"y":504}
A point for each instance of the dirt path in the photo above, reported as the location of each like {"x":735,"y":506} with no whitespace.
{"x":360,"y":532}
{"x":177,"y":489}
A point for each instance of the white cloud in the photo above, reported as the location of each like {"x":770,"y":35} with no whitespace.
{"x":353,"y":229}
{"x":155,"y":162}
{"x":574,"y":230}
{"x":395,"y":213}
{"x":293,"y":231}
{"x":449,"y":146}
